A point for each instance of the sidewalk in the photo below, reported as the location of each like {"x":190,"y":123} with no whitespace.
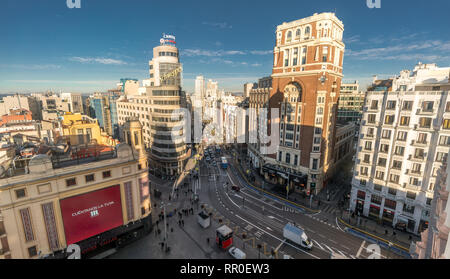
{"x":371,"y":226}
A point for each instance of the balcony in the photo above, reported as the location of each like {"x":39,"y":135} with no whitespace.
{"x":417,"y":158}
{"x":419,"y":143}
{"x":425,"y":111}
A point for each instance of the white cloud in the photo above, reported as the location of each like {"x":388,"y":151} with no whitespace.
{"x":99,"y":60}
{"x":261,"y":52}
{"x":352,"y":39}
{"x":32,"y":66}
{"x":427,"y":50}
{"x":256,"y":65}
{"x":221,"y":25}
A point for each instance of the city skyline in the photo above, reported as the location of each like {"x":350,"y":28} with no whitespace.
{"x":217,"y":43}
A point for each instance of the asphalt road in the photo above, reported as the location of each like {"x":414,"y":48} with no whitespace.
{"x":264,"y":218}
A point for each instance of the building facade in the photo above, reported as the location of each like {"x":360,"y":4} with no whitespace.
{"x":159,"y":109}
{"x":306,"y":81}
{"x":404,"y":140}
{"x":434,"y":243}
{"x":351,"y":102}
{"x":47,"y":204}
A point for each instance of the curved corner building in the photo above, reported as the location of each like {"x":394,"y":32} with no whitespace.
{"x":168,"y":151}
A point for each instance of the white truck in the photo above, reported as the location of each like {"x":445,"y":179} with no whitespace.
{"x":297,"y":235}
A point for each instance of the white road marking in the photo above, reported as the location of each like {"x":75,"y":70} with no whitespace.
{"x":279,"y":238}
{"x":360,"y":249}
{"x":279,"y":246}
{"x":328,"y":248}
{"x":269,"y":229}
{"x":341,"y":253}
{"x":233,"y":201}
{"x":353,"y":257}
{"x":317,"y":243}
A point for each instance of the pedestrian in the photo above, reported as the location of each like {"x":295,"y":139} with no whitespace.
{"x":386,"y":232}
{"x":207,"y":240}
{"x":182,"y":223}
{"x":170,"y":196}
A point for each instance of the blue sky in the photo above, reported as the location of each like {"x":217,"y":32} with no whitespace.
{"x":45,"y":45}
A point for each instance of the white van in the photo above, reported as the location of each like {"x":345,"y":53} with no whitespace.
{"x":297,"y":235}
{"x":237,"y":253}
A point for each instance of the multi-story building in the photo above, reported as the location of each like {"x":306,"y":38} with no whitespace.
{"x":306,"y":81}
{"x":156,"y":108}
{"x":351,"y":102}
{"x":247,"y":88}
{"x":434,"y":243}
{"x":104,"y":109}
{"x":74,"y":101}
{"x":78,"y":129}
{"x":53,"y":200}
{"x":404,"y":140}
{"x":258,"y":99}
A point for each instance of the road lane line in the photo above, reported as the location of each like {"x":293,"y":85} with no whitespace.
{"x":360,"y":249}
{"x":277,"y":238}
{"x":328,"y":248}
{"x":341,"y":253}
{"x":317,"y":243}
{"x":279,"y":246}
{"x":232,"y":201}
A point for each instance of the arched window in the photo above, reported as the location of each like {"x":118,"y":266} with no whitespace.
{"x":307,"y":32}
{"x":289,"y":36}
{"x":297,"y":34}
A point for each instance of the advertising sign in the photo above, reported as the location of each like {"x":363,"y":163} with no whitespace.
{"x":92,"y":213}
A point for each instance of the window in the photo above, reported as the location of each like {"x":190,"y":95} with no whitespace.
{"x":71,"y":182}
{"x":27,"y":225}
{"x":315,"y":164}
{"x":307,"y":32}
{"x":397,"y":165}
{"x":303,"y":55}
{"x":366,"y":158}
{"x":389,"y":119}
{"x":32,"y":251}
{"x":318,"y":131}
{"x":407,"y":105}
{"x":320,"y":110}
{"x":297,"y":34}
{"x":289,"y":36}
{"x":394,"y":178}
{"x":444,"y":140}
{"x":295,"y":160}
{"x":288,"y":158}
{"x":368,"y":145}
{"x":408,"y":208}
{"x":414,"y":181}
{"x":316,"y":140}
{"x":447,"y":107}
{"x":364,"y":171}
{"x":286,"y":58}
{"x":295,"y":59}
{"x":319,"y":120}
{"x":384,"y":148}
{"x":374,"y":104}
{"x":376,"y":199}
{"x":392,"y":191}
{"x":441,"y":157}
{"x":361,"y":195}
{"x":422,"y":138}
{"x":446,"y":124}
{"x":402,"y":136}
{"x":390,"y":204}
{"x":280,"y":156}
{"x":399,"y":150}
{"x":20,"y":193}
{"x":106,"y":174}
{"x":427,"y":106}
{"x":370,"y":132}
{"x":371,"y":118}
{"x":416,"y":168}
{"x":425,"y":122}
{"x":90,"y":178}
{"x":411,"y":195}
{"x":419,"y":153}
{"x":325,"y":54}
{"x":379,"y":175}
{"x":382,"y":162}
{"x":404,"y":121}
{"x":386,"y":134}
{"x":391,"y":104}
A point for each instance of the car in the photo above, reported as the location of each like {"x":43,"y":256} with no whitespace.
{"x":235,"y":188}
{"x":237,"y":253}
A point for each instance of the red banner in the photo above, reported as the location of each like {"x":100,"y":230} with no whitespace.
{"x":91,"y":214}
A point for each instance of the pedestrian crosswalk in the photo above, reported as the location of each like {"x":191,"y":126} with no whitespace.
{"x":258,"y":234}
{"x":329,"y":209}
{"x":329,"y":249}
